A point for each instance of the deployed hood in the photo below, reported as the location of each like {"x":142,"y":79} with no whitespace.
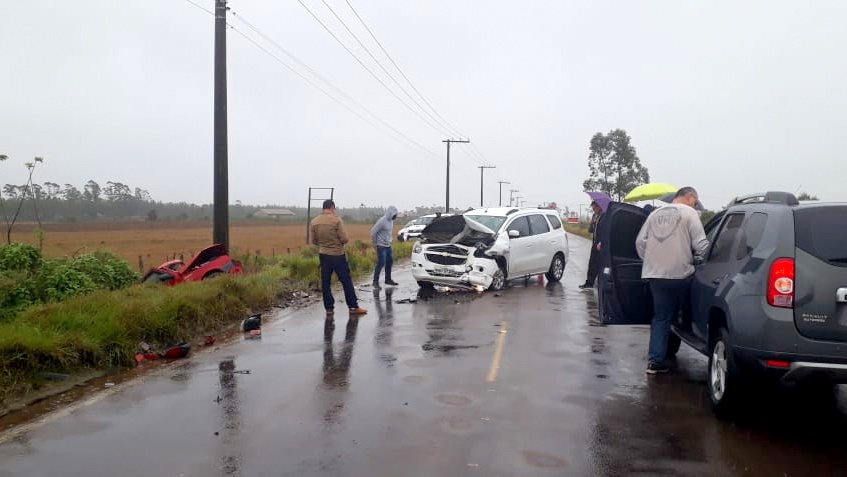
{"x":390,"y":212}
{"x":457,"y":229}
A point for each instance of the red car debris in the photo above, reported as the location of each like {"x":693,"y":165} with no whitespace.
{"x":209,"y":262}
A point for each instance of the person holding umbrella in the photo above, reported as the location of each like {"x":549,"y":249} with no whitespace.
{"x":599,"y":203}
{"x":594,"y":254}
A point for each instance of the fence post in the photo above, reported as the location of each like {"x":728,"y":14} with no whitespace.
{"x":140,"y":264}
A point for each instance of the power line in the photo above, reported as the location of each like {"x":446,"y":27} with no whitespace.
{"x":201,"y":7}
{"x":368,"y":51}
{"x":358,"y":60}
{"x":454,"y":130}
{"x":348,"y":108}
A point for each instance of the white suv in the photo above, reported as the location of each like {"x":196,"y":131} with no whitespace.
{"x":484,"y":248}
{"x":414,"y":227}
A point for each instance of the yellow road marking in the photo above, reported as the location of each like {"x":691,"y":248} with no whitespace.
{"x":498,"y":354}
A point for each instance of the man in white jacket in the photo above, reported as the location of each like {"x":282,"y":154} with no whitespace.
{"x":667,"y":243}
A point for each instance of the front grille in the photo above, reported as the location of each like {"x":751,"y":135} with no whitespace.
{"x":452,"y":249}
{"x":446,"y":259}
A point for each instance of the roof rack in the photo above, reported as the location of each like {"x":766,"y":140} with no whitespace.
{"x":512,"y":211}
{"x":771,"y":197}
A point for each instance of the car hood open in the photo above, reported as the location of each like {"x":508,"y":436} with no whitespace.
{"x":457,"y":229}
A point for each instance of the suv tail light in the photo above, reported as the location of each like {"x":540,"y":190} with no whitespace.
{"x":781,"y":283}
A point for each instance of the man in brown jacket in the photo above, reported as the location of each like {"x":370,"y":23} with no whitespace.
{"x":329,"y":234}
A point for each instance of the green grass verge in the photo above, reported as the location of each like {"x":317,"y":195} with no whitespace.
{"x":578,"y":229}
{"x":103,"y":329}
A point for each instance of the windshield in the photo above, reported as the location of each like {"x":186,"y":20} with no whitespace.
{"x":493,"y":222}
{"x":424,"y":220}
{"x":412,"y":222}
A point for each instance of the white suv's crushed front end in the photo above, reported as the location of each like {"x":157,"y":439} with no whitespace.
{"x":458,"y":251}
{"x":452,"y":264}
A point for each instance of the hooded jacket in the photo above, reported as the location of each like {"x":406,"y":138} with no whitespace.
{"x":668,"y":241}
{"x":383,"y":229}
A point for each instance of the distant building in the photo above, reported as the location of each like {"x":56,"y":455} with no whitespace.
{"x":273,"y":214}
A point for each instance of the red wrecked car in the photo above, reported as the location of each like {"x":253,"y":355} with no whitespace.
{"x":207,"y":263}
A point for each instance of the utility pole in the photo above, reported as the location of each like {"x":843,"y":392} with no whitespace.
{"x":511,"y":195}
{"x":450,"y":141}
{"x":220,"y":225}
{"x":500,"y":202}
{"x":481,"y":170}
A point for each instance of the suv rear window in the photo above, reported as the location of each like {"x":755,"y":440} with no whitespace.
{"x":820,"y":231}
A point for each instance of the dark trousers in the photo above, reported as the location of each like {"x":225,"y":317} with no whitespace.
{"x":383,"y":259}
{"x":593,"y":264}
{"x":337,"y":264}
{"x":669,"y":296}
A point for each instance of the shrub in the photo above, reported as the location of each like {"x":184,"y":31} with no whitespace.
{"x":105,"y":270}
{"x":19,"y":256}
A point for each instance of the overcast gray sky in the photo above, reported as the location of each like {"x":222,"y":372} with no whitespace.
{"x":731,"y":97}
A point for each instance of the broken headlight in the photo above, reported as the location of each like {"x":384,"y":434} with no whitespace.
{"x":417,"y":248}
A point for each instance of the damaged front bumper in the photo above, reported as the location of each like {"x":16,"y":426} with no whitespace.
{"x":476,"y":273}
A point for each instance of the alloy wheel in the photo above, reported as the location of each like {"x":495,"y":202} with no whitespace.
{"x":717,"y":373}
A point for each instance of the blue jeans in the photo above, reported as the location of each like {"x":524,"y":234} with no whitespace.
{"x":668,"y":297}
{"x":336,"y":264}
{"x":383,"y":259}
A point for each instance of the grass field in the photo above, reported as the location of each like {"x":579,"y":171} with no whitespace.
{"x":155,"y":242}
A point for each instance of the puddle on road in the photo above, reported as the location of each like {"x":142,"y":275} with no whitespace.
{"x":542,"y":460}
{"x":453,"y":399}
{"x":456,"y":424}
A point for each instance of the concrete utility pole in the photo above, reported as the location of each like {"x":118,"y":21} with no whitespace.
{"x":450,"y":141}
{"x":500,"y":202}
{"x":481,"y":183}
{"x":220,"y":225}
{"x":512,"y":195}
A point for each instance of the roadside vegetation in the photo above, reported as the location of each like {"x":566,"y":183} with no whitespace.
{"x":89,"y":312}
{"x":580,"y":229}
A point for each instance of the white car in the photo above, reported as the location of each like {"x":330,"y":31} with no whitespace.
{"x":482,"y":249}
{"x":413,"y":228}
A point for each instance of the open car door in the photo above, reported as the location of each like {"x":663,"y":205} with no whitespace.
{"x":623,"y":298}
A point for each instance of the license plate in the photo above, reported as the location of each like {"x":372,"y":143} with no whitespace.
{"x":442,"y":270}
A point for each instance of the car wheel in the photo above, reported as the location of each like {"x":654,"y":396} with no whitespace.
{"x":673,"y":345}
{"x":212,"y":274}
{"x":724,"y":376}
{"x":425,"y":285}
{"x":557,"y":269}
{"x":498,"y":280}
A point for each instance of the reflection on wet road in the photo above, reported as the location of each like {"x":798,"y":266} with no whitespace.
{"x":405,"y":390}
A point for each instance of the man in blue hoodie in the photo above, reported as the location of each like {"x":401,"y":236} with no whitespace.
{"x":381,"y":235}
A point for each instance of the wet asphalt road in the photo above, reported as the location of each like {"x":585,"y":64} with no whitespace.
{"x":524,"y":383}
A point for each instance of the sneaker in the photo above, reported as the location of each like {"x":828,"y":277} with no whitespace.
{"x":586,"y":285}
{"x":654,"y":368}
{"x":376,"y":284}
{"x":358,"y":311}
{"x":391,"y":282}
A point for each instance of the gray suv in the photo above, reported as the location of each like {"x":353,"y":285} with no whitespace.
{"x":769,"y":299}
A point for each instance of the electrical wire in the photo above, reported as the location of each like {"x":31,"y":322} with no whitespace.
{"x":423,"y":98}
{"x":201,"y":7}
{"x":378,"y":63}
{"x":321,"y":78}
{"x":370,"y":71}
{"x":399,"y":134}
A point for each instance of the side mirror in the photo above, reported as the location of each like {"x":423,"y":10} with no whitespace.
{"x":514,"y":234}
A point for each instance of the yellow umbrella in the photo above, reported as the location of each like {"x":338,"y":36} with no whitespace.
{"x":649,"y":191}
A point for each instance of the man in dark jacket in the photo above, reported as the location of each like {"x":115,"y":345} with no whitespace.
{"x":594,"y":256}
{"x":381,"y":236}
